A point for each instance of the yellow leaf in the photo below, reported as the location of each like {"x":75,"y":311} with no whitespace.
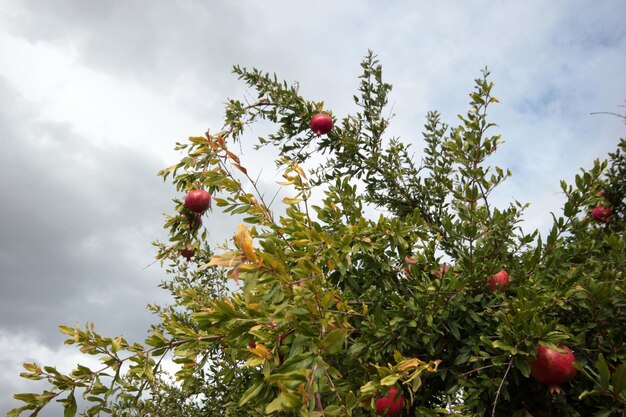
{"x":229,"y":259}
{"x":260,"y":350}
{"x":255,"y":361}
{"x":389,"y":380}
{"x":289,"y":200}
{"x":432,"y":366}
{"x":248,"y":267}
{"x":198,"y":139}
{"x":244,"y":241}
{"x":300,"y":171}
{"x":410,"y":364}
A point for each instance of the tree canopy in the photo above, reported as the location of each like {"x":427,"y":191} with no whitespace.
{"x":323,"y":309}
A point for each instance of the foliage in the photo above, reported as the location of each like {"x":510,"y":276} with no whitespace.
{"x":318,"y":311}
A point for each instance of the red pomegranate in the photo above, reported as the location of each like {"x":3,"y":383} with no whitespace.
{"x":198,"y":201}
{"x":553,"y":368}
{"x":498,"y":281}
{"x":407,"y":272}
{"x":321,"y":124}
{"x":443,"y":269}
{"x":601,"y":214}
{"x":391,"y":404}
{"x":187,"y":253}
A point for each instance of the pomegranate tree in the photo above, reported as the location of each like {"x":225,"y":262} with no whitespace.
{"x":321,"y":124}
{"x":391,"y":404}
{"x":198,"y":201}
{"x":553,"y":368}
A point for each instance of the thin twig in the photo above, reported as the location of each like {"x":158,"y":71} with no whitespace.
{"x":495,"y":401}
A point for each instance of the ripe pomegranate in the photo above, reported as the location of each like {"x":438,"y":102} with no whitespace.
{"x":498,"y":281}
{"x":407,"y":272}
{"x":187,"y":253}
{"x":553,"y":368}
{"x":391,"y":404}
{"x":198,"y":201}
{"x":442,"y":269}
{"x":321,"y":124}
{"x":601,"y":214}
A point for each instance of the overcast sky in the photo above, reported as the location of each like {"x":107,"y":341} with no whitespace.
{"x":94,"y":94}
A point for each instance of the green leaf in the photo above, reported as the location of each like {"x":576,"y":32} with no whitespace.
{"x":389,"y":380}
{"x":522,"y":365}
{"x":332,"y":410}
{"x":26,"y":397}
{"x":251,"y":392}
{"x":333,"y":342}
{"x":501,"y":345}
{"x":619,"y":379}
{"x":605,"y":374}
{"x":70,"y":406}
{"x":284,"y":402}
{"x":17,"y":411}
{"x":289,"y":378}
{"x":604,"y":413}
{"x":462,"y":358}
{"x":295,"y":362}
{"x":66,"y":330}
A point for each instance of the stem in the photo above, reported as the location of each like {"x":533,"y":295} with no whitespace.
{"x":495,"y":401}
{"x":318,"y":403}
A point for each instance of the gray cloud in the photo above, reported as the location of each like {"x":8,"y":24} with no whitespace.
{"x":73,"y":216}
{"x":78,"y":219}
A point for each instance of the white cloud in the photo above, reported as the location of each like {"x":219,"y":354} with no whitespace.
{"x":19,"y":348}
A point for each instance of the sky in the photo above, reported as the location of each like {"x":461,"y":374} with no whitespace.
{"x":94,"y":95}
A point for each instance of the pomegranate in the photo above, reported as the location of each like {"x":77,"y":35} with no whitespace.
{"x":198,"y":201}
{"x":601,"y":214}
{"x":553,"y":368}
{"x":498,"y":281}
{"x":407,"y":272}
{"x":187,"y":253}
{"x":443,"y":269}
{"x":391,"y":404}
{"x":321,"y":124}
